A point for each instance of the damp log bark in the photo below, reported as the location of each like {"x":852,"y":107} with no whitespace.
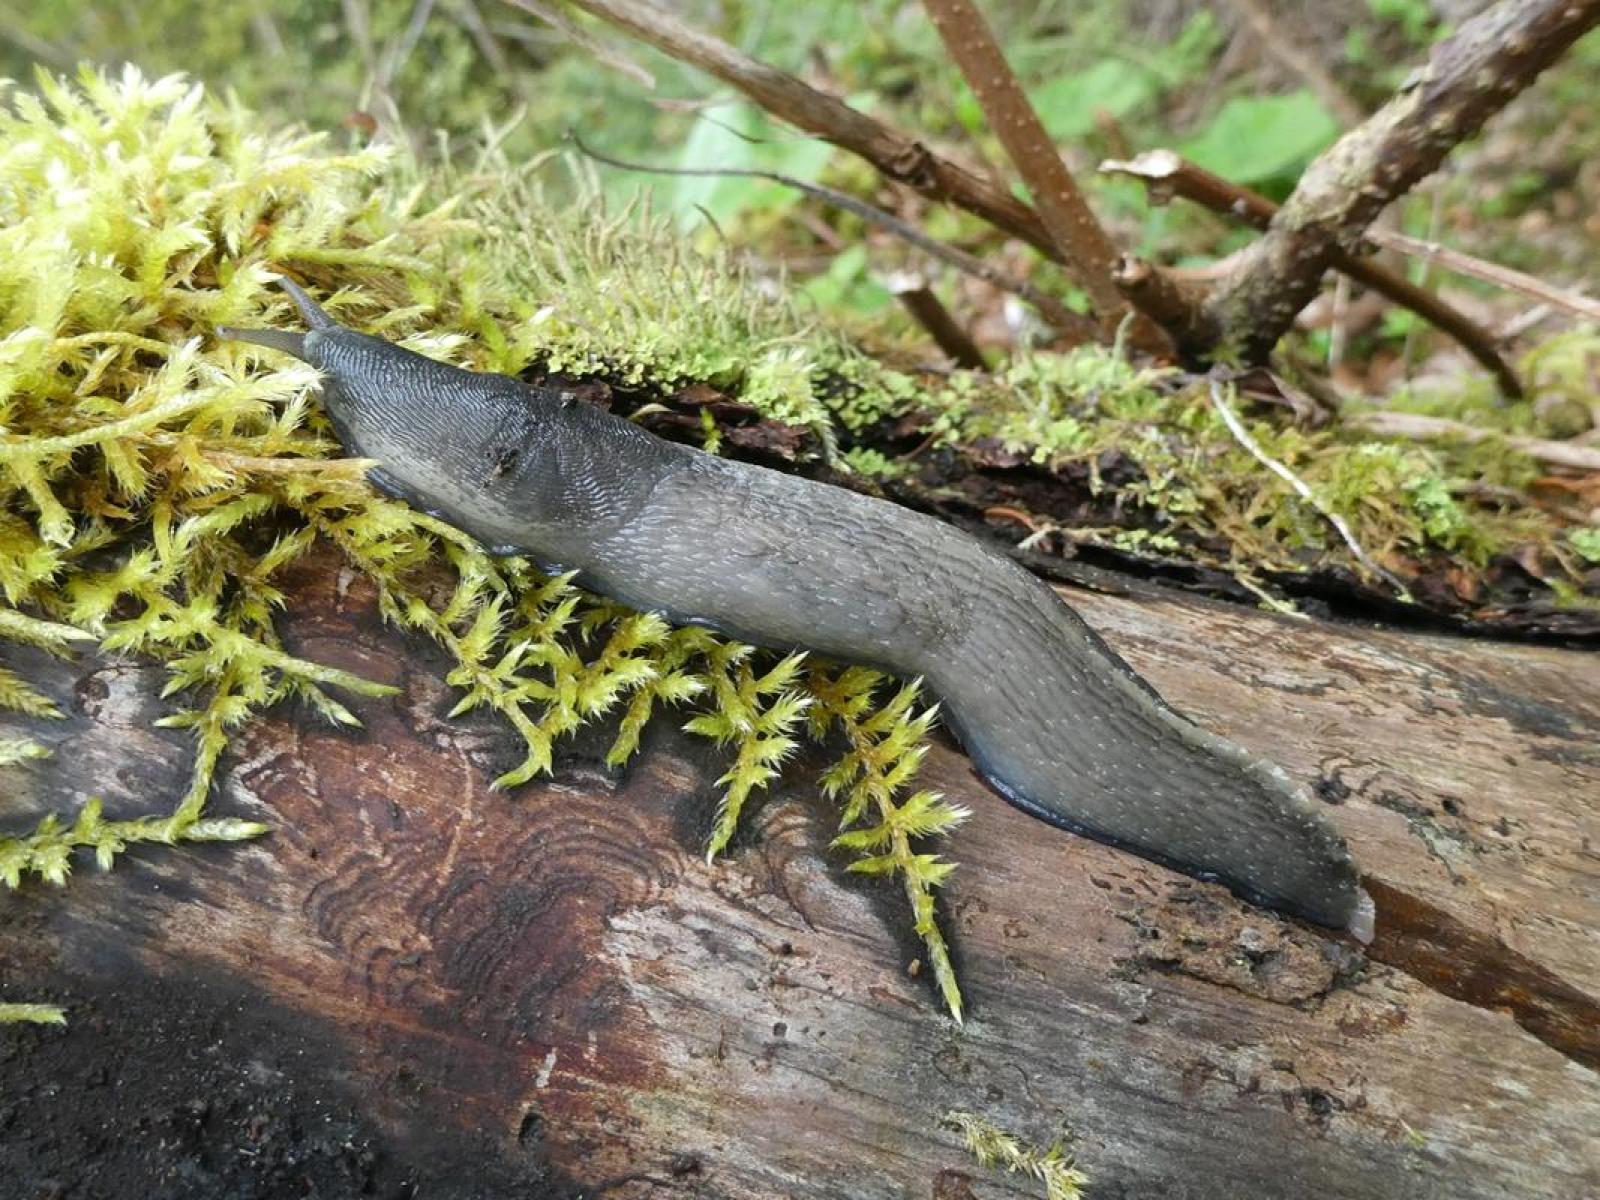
{"x":418,"y":982}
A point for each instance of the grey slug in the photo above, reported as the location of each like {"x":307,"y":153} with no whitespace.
{"x":1052,"y":717}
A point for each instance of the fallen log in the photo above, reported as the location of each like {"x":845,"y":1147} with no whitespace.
{"x":417,"y":983}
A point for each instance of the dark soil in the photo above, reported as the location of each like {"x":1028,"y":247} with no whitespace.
{"x":194,"y":1086}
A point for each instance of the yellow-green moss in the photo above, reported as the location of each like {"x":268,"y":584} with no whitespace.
{"x":994,"y":1147}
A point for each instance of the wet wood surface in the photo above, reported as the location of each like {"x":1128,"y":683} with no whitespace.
{"x":551,"y":992}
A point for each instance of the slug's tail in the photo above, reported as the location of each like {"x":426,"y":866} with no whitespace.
{"x":1071,"y":735}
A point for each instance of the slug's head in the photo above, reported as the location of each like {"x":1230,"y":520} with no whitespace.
{"x":309,"y":346}
{"x":386,"y":402}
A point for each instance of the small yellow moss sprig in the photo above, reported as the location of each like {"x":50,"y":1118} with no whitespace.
{"x":994,"y":1147}
{"x":32,"y":1014}
{"x":887,"y":744}
{"x":47,"y":851}
{"x":756,"y":713}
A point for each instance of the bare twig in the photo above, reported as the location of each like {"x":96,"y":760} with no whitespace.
{"x":1469,"y":77}
{"x":926,"y":309}
{"x":267,"y":33}
{"x":1070,"y":324}
{"x":400,"y":48}
{"x":897,"y":155}
{"x":1166,"y":302}
{"x":1089,"y":255}
{"x":1279,"y":43}
{"x":1301,"y":488}
{"x":466,"y":14}
{"x":1413,"y":425}
{"x":1585,"y":307}
{"x":48,"y":52}
{"x":606,"y":55}
{"x":358,"y":22}
{"x":1166,"y":174}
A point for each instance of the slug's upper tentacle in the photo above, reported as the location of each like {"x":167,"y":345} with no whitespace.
{"x":1054,"y":719}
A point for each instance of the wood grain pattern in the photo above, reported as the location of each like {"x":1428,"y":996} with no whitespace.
{"x":553,"y":990}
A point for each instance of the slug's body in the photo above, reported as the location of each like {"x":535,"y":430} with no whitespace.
{"x":1058,"y":723}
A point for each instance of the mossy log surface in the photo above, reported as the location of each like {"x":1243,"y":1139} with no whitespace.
{"x":417,"y":983}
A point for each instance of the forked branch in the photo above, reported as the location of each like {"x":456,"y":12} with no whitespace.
{"x":1468,"y":78}
{"x":896,"y":155}
{"x":1166,"y":174}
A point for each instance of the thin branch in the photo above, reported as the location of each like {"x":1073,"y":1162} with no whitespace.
{"x":1082,"y":245}
{"x":1300,"y":61}
{"x":1581,"y":306}
{"x":1166,"y":302}
{"x":267,"y":33}
{"x":465,"y":14}
{"x":1468,"y":78}
{"x":896,"y":155}
{"x":1072,"y":325}
{"x":358,"y":22}
{"x":60,"y":57}
{"x":928,"y":311}
{"x":1413,"y":425}
{"x":399,"y":50}
{"x":1166,"y":174}
{"x":1301,"y":489}
{"x":608,"y":56}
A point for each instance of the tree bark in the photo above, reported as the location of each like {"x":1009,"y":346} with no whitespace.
{"x":1468,"y":78}
{"x":418,"y":982}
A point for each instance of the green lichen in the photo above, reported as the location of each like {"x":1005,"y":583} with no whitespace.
{"x":157,"y":485}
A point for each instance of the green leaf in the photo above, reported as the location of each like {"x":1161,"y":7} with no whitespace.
{"x":1258,"y":138}
{"x":742,"y":137}
{"x":1068,"y":104}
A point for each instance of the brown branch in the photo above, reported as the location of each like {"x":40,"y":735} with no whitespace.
{"x":1166,"y":174}
{"x":1165,"y":301}
{"x":929,"y":312}
{"x":1082,"y":245}
{"x":1469,"y":77}
{"x":895,"y":154}
{"x":1071,"y":325}
{"x":1412,"y":425}
{"x":607,"y":56}
{"x":1278,"y":42}
{"x":1584,"y":307}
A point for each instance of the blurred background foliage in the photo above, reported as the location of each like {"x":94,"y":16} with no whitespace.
{"x":1109,"y":79}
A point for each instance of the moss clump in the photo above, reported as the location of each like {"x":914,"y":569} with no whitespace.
{"x":1180,"y":482}
{"x":155,"y":484}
